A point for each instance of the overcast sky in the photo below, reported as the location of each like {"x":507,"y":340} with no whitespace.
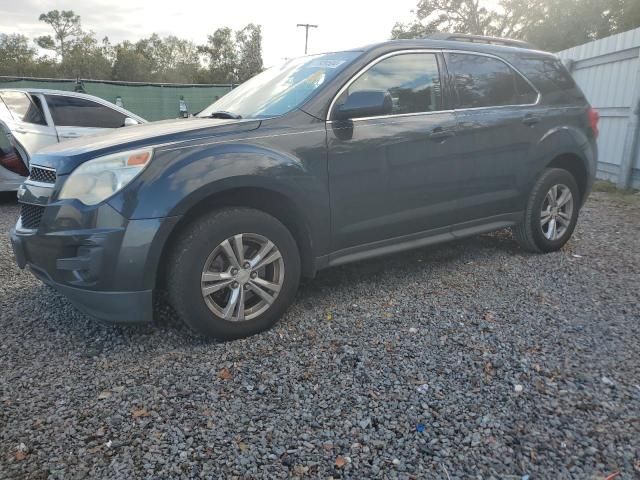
{"x":342,"y":23}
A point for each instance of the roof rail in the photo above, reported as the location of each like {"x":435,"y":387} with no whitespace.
{"x":466,"y":37}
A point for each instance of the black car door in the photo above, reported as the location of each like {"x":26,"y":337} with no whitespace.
{"x":497,"y":126}
{"x":393,"y":175}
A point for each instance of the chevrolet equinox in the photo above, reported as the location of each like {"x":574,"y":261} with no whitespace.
{"x":319,"y":161}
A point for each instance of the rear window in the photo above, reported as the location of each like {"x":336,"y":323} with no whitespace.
{"x":79,"y":112}
{"x":482,"y":81}
{"x":23,"y":108}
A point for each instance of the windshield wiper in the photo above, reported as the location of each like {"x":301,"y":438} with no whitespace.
{"x":224,"y":114}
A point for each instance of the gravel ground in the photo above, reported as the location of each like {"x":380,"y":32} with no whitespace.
{"x":467,"y":360}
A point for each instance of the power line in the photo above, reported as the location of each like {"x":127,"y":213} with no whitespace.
{"x":306,"y":26}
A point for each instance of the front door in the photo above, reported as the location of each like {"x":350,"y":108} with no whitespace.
{"x":392,"y":176}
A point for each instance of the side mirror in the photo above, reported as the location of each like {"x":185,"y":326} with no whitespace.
{"x":365,"y":103}
{"x":128,"y":122}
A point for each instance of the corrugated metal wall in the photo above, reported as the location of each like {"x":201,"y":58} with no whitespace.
{"x":608,"y":71}
{"x":150,"y":101}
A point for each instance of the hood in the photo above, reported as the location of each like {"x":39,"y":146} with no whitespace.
{"x":67,"y":155}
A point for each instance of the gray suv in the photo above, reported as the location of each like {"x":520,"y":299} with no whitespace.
{"x":320,"y":161}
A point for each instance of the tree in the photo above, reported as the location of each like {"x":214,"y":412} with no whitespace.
{"x":221,"y":55}
{"x":66,"y":27}
{"x":549,"y":24}
{"x":626,"y":14}
{"x":228,"y":56}
{"x":85,"y":58}
{"x":130,"y":64}
{"x":16,"y":56}
{"x":233,"y":58}
{"x":249,"y":46}
{"x":170,"y":58}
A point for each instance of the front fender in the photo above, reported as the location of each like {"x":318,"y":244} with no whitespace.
{"x":178,"y":179}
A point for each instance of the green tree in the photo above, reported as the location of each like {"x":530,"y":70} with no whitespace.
{"x":66,"y":27}
{"x":221,"y":56}
{"x":249,"y":46}
{"x":85,"y":58}
{"x":16,"y":56}
{"x":130,"y":64}
{"x":233,"y":57}
{"x":171,"y":59}
{"x":549,"y":24}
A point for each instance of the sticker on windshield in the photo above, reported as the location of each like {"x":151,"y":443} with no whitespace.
{"x":321,"y":63}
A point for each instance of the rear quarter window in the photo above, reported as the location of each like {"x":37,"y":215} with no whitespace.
{"x":551,"y":78}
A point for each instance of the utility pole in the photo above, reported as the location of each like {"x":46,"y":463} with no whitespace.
{"x":306,"y":26}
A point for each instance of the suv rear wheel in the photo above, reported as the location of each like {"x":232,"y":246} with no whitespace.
{"x":551,"y":214}
{"x":233,"y":273}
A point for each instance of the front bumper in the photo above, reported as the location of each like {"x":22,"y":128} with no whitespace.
{"x":104,"y":263}
{"x":117,"y":307}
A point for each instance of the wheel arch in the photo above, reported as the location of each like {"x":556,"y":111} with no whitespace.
{"x":576,"y":166}
{"x":270,"y":201}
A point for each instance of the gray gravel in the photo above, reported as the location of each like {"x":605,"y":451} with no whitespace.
{"x":467,"y":360}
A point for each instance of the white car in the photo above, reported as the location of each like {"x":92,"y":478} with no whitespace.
{"x":31,"y":119}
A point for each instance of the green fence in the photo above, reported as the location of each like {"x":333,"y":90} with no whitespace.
{"x":152,"y":101}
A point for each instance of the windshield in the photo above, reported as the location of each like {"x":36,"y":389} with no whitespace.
{"x":282,"y":88}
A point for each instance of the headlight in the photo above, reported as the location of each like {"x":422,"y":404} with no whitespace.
{"x":98,"y":179}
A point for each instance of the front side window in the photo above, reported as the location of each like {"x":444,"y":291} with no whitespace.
{"x":412,"y":80}
{"x":482,"y":81}
{"x":23,"y":108}
{"x":79,"y":112}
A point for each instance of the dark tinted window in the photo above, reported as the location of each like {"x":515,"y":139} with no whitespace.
{"x":487,"y":82}
{"x":413,"y":80}
{"x":22,"y":108}
{"x":78,"y":112}
{"x":551,"y":78}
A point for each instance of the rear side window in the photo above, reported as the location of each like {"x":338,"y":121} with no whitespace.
{"x":481,"y":81}
{"x":551,"y":78}
{"x":23,"y":108}
{"x":78,"y":112}
{"x":412,"y":80}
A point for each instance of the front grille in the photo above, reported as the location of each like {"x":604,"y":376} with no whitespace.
{"x":30,"y":216}
{"x":43,"y":175}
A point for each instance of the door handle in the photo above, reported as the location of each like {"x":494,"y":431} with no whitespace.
{"x":71,"y":135}
{"x":530,"y":120}
{"x":439,"y":134}
{"x":20,"y":130}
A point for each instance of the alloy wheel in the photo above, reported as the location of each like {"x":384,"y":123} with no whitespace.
{"x":557,"y":212}
{"x":242,"y":277}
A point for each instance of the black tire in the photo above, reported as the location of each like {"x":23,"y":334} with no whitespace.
{"x":191,"y":252}
{"x":529,"y":233}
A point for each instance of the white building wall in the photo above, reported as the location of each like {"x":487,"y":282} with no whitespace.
{"x":608,"y":71}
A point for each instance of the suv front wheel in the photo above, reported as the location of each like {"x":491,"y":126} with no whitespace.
{"x":551,"y":213}
{"x":233,"y":273}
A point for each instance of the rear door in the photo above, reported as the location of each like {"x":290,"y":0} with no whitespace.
{"x":498,"y":124}
{"x":28,"y":124}
{"x":76,"y":117}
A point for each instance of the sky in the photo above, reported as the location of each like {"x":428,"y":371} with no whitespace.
{"x":341,"y":24}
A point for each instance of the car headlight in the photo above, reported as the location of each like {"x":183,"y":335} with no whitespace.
{"x":98,"y":179}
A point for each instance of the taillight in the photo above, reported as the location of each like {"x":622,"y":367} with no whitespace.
{"x":594,"y":117}
{"x":12,"y":161}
